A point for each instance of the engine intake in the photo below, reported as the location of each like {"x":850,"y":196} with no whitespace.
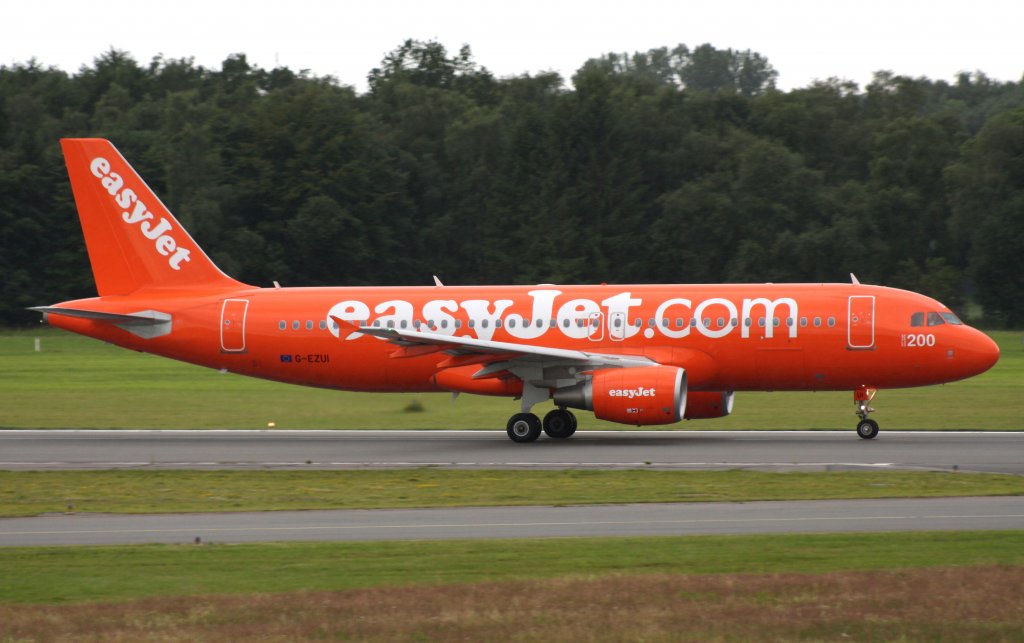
{"x":640,"y":396}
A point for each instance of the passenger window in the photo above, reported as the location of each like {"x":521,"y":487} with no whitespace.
{"x":934,"y":319}
{"x":679,"y":322}
{"x":416,"y":324}
{"x":391,"y":323}
{"x":789,"y":321}
{"x":283,"y":325}
{"x":483,"y":323}
{"x":444,"y":323}
{"x":497,"y":323}
{"x":693,"y":322}
{"x":917,"y":319}
{"x":831,"y":322}
{"x":735,"y":322}
{"x":721,"y":321}
{"x":472,"y":323}
{"x":775,"y":322}
{"x":295,"y":325}
{"x":707,"y":322}
{"x":760,"y":322}
{"x":817,"y":322}
{"x":638,"y":322}
{"x":650,"y":322}
{"x":565,"y":323}
{"x":803,"y":322}
{"x":405,"y":323}
{"x":617,"y":323}
{"x":664,"y":322}
{"x":323,"y":324}
{"x":540,"y":323}
{"x":552,"y":323}
{"x":511,"y":323}
{"x":748,"y":322}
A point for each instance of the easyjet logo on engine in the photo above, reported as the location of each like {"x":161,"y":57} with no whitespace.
{"x":615,"y":317}
{"x":632,"y":392}
{"x":136,"y":213}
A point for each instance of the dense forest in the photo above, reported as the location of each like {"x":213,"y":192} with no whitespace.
{"x":674,"y":165}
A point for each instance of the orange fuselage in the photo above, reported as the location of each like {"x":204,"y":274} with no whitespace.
{"x":816,"y":337}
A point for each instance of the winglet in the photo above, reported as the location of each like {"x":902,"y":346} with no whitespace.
{"x":853,"y":279}
{"x":437,"y":282}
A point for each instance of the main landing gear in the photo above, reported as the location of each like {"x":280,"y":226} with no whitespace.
{"x":866,"y":428}
{"x":526,"y":427}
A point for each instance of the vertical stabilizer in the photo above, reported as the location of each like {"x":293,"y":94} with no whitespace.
{"x":133,"y":240}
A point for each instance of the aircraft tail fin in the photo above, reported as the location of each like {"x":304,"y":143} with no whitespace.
{"x":133,"y":240}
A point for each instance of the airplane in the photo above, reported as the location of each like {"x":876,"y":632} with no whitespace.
{"x":634,"y":354}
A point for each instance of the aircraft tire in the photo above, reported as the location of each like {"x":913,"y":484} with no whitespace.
{"x":523,"y":427}
{"x":867,"y":429}
{"x":559,"y":424}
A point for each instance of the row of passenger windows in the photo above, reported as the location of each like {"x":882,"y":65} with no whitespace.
{"x":665,"y":322}
{"x":934,"y":319}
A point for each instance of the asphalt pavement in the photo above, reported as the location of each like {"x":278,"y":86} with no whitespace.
{"x":1001,"y":452}
{"x":522,"y":522}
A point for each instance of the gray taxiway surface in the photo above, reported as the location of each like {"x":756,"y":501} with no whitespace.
{"x":767,"y":450}
{"x":522,"y":522}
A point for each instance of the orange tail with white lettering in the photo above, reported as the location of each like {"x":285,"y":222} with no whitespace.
{"x":134,"y":241}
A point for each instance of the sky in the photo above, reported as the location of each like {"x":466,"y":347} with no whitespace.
{"x":804,"y":40}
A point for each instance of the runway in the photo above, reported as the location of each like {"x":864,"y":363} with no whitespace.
{"x":522,"y":522}
{"x":762,"y":450}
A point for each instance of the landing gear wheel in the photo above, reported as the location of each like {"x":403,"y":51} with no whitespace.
{"x":867,"y":429}
{"x":523,"y":427}
{"x":559,"y":424}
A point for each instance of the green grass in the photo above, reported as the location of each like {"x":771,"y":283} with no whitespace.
{"x":67,"y":574}
{"x":76,"y":382}
{"x":26,"y":493}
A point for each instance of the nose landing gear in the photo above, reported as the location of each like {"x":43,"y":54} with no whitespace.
{"x":862,"y":397}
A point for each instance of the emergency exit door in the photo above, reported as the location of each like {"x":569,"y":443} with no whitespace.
{"x":860,"y":334}
{"x":232,"y":325}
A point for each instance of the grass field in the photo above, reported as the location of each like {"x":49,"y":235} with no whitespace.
{"x":72,"y":574}
{"x":76,"y":382}
{"x":27,"y":493}
{"x":958,"y":604}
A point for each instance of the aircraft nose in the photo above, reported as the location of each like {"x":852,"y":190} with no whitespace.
{"x":982,"y":353}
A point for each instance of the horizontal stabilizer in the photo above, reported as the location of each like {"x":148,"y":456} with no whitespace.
{"x":145,"y":323}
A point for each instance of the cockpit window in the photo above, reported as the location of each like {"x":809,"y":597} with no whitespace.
{"x":935,"y":319}
{"x":951,"y":319}
{"x":917,"y":319}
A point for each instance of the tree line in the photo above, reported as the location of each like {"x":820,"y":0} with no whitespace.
{"x":674,"y":165}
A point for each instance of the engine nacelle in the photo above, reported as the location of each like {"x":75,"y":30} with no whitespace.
{"x":640,"y":396}
{"x":703,"y":405}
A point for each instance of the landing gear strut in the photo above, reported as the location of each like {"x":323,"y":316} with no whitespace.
{"x":862,"y":397}
{"x":559,"y":424}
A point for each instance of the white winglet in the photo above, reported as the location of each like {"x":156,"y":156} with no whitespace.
{"x":437,"y":282}
{"x":853,"y":279}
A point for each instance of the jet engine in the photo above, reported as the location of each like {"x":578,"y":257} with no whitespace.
{"x":640,"y":396}
{"x":703,"y":405}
